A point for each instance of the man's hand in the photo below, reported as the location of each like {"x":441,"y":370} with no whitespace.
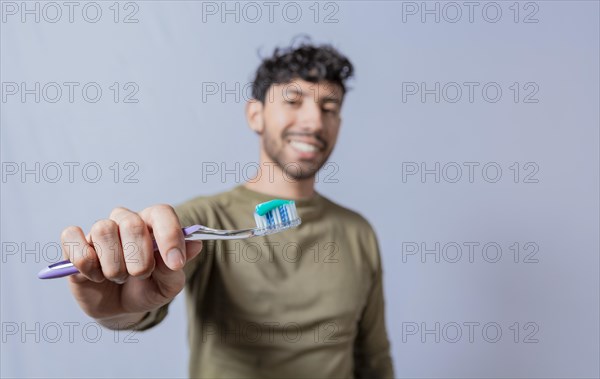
{"x":121,"y":276}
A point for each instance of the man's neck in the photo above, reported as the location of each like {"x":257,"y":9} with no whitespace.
{"x":273,"y":181}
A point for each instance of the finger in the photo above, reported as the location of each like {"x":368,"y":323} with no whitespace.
{"x":105,"y":239}
{"x":166,"y":228}
{"x":136,"y":242}
{"x":76,"y":248}
{"x":169,"y":283}
{"x":192,"y":248}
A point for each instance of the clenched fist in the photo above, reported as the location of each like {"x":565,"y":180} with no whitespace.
{"x":122,"y":276}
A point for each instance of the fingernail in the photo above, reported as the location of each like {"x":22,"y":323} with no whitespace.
{"x":175,"y":258}
{"x":119,"y":280}
{"x":98,"y":277}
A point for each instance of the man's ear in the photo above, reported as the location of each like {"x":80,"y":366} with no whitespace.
{"x":254,"y":115}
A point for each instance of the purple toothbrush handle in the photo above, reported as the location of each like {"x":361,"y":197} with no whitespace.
{"x":66,"y":268}
{"x":58,"y":270}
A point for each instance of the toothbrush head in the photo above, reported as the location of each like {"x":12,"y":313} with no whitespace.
{"x":275,"y":216}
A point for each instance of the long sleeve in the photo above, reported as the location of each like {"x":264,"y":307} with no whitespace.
{"x":372,"y":348}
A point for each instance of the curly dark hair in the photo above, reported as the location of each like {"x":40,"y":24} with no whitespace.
{"x":306,"y":61}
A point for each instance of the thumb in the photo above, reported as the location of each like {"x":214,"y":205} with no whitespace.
{"x":171,"y":282}
{"x":192,"y":249}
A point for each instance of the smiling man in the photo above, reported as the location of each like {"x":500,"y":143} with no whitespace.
{"x":298,"y":122}
{"x":307,"y":302}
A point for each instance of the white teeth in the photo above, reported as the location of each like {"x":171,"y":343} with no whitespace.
{"x":304,"y":147}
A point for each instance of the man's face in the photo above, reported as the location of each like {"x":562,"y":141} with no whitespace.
{"x":301,"y":121}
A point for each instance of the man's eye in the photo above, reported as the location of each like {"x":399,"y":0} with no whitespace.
{"x":292,"y":102}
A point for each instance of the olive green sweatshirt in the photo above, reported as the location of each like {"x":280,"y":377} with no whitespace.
{"x":306,"y":302}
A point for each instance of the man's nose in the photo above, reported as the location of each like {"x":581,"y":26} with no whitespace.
{"x":311,"y":117}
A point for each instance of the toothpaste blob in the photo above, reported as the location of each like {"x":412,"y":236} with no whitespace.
{"x":262,"y":209}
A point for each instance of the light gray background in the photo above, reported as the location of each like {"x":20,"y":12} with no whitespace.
{"x":171,"y":51}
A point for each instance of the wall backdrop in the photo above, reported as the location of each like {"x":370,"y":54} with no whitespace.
{"x":469,"y":140}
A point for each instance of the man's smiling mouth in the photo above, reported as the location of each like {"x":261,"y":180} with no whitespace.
{"x":307,"y":143}
{"x":304,"y":147}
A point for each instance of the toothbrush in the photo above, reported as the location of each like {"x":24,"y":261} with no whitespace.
{"x":271,"y":217}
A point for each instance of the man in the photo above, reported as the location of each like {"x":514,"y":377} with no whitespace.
{"x":306,"y":302}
